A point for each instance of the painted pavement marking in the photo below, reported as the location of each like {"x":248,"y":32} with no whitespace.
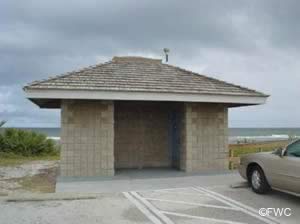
{"x":158,"y":216}
{"x":142,"y":208}
{"x":168,"y":189}
{"x":157,"y":212}
{"x":196,"y":204}
{"x":235,"y":204}
{"x":202,"y":218}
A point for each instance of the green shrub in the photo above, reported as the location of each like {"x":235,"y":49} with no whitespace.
{"x":26,"y":143}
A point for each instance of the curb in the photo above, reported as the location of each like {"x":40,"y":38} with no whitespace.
{"x":49,"y":197}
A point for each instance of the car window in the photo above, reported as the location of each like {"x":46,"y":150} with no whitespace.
{"x":294,"y":149}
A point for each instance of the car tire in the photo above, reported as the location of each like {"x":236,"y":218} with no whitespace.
{"x":258,"y":181}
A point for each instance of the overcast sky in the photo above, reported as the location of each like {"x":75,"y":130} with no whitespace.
{"x":251,"y":43}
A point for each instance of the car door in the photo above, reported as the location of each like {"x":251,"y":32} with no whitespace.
{"x":287,"y":168}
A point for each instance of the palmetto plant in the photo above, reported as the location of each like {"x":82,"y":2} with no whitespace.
{"x":26,"y":143}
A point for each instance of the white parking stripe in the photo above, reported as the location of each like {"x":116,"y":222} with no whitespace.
{"x":142,"y":208}
{"x":196,"y":204}
{"x":171,"y":189}
{"x":202,"y":218}
{"x":240,"y":205}
{"x":153,"y":209}
{"x":178,"y":192}
{"x":246,"y":209}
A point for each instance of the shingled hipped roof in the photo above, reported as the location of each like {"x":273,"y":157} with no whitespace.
{"x":140,"y":74}
{"x":137,"y":74}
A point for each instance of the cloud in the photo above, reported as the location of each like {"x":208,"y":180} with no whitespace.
{"x":5,"y":105}
{"x":254,"y":43}
{"x":20,"y":112}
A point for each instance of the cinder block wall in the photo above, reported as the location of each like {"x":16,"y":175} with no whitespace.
{"x":204,"y":137}
{"x":141,"y":135}
{"x":87,"y":138}
{"x":93,"y":144}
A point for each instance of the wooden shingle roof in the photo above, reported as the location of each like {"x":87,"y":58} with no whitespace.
{"x":137,"y":74}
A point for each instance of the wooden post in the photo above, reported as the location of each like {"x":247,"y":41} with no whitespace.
{"x":231,"y":159}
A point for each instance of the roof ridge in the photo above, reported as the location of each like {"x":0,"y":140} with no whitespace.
{"x":215,"y":79}
{"x":66,"y":74}
{"x":139,"y":59}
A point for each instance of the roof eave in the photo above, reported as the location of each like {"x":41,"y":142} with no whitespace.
{"x":41,"y":95}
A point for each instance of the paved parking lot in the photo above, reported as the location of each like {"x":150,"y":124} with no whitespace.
{"x":274,"y":199}
{"x":209,"y":205}
{"x":187,"y":205}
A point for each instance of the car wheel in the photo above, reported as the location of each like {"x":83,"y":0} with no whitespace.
{"x":258,"y":181}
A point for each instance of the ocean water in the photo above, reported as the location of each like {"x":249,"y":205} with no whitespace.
{"x":262,"y":134}
{"x":50,"y":132}
{"x":264,"y":131}
{"x":235,"y":134}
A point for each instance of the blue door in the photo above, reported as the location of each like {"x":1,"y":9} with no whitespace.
{"x":174,"y":138}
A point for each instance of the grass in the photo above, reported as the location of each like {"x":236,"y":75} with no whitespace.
{"x":237,"y":150}
{"x":240,"y":149}
{"x":8,"y":159}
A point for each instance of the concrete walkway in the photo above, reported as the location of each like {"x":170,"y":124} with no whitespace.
{"x":146,"y":179}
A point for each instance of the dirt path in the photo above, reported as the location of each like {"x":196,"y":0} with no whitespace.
{"x":35,"y":176}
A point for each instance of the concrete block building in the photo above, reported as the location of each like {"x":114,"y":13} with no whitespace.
{"x":135,"y":112}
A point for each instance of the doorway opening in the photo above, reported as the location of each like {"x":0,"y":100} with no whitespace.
{"x":147,"y":134}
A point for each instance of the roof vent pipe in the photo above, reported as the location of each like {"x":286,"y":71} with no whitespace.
{"x":166,"y":50}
